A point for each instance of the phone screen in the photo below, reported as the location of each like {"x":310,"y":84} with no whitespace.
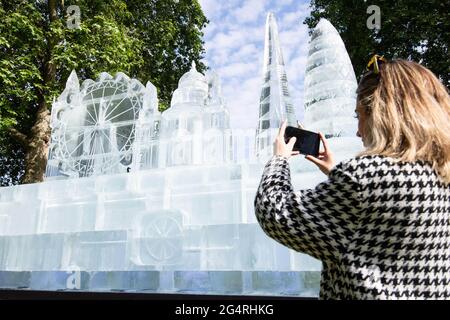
{"x":307,"y":143}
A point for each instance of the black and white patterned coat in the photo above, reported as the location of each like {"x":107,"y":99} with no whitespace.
{"x":381,"y":229}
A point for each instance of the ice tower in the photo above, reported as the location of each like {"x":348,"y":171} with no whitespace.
{"x":275,"y":102}
{"x":330,"y":84}
{"x":216,"y":123}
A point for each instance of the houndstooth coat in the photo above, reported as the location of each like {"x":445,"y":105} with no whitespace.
{"x":381,"y":229}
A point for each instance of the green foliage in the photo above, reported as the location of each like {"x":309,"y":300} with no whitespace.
{"x":11,"y":162}
{"x":410,"y":29}
{"x":151,"y":40}
{"x":172,"y":38}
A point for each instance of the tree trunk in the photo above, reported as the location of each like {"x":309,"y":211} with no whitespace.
{"x":39,"y":137}
{"x":37,"y":147}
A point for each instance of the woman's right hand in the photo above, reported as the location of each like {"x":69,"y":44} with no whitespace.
{"x":325,"y":161}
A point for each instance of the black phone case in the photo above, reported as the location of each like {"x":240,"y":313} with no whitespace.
{"x":307,"y":143}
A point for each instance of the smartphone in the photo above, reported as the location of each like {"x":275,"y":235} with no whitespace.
{"x":307,"y":143}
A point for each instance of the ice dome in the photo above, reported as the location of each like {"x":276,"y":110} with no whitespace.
{"x":192,"y":89}
{"x":330,"y":84}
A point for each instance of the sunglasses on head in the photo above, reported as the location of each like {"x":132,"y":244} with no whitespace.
{"x":374,"y":64}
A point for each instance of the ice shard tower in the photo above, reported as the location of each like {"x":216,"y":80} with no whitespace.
{"x":275,"y":101}
{"x":330,"y":84}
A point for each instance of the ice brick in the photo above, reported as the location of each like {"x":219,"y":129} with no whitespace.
{"x":7,"y":194}
{"x":209,"y":204}
{"x":98,"y":250}
{"x":214,"y":282}
{"x":59,"y":280}
{"x":118,"y":212}
{"x":15,"y":280}
{"x":158,"y":238}
{"x":124,"y":281}
{"x":277,"y":282}
{"x":304,"y":262}
{"x":68,"y":217}
{"x":18,"y":218}
{"x":34,"y":252}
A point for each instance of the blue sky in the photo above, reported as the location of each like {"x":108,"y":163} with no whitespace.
{"x":234,"y":43}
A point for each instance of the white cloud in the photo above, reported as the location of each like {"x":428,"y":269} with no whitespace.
{"x":250,"y":11}
{"x":291,"y":18}
{"x":207,"y":6}
{"x":296,"y":69}
{"x":243,"y":102}
{"x":284,"y":2}
{"x":237,"y":70}
{"x":247,"y":52}
{"x":228,"y":40}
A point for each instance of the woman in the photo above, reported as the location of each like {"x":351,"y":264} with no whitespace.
{"x":380,"y":224}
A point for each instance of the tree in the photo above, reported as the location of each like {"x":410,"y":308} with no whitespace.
{"x":38,"y":50}
{"x":172,"y":38}
{"x":410,"y":29}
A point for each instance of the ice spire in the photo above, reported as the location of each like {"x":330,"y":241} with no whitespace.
{"x":330,"y":84}
{"x":215,"y":96}
{"x":275,"y":101}
{"x":72,"y":88}
{"x":73,"y":82}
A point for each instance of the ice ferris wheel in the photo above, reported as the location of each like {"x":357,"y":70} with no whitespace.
{"x":93,"y":129}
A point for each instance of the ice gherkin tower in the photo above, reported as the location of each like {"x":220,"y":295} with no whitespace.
{"x":330,"y":84}
{"x":275,"y":101}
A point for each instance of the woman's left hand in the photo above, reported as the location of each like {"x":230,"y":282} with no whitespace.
{"x":280,"y":147}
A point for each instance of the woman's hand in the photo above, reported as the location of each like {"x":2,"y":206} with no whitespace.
{"x":325,"y":161}
{"x":280,"y":148}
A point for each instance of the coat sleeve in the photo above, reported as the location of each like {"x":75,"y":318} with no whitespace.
{"x":319,"y":221}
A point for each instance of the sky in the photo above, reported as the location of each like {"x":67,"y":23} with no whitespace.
{"x":234,"y":44}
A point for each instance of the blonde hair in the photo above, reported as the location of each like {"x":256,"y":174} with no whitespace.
{"x":408,"y":115}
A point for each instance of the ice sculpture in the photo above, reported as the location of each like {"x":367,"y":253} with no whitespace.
{"x":182,"y":125}
{"x":136,"y":200}
{"x":330,"y":84}
{"x":275,"y":101}
{"x":217,"y":124}
{"x":146,"y":144}
{"x":330,"y":98}
{"x":93,"y":127}
{"x":194,"y":128}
